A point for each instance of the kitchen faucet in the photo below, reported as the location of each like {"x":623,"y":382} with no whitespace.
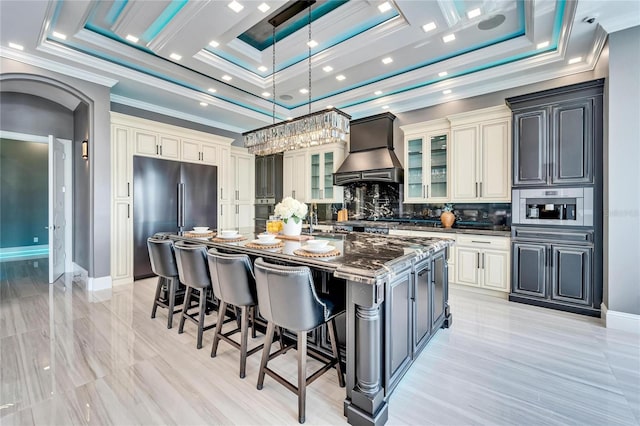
{"x":313,"y":217}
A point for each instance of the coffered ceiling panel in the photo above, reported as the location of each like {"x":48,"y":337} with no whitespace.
{"x":214,"y":60}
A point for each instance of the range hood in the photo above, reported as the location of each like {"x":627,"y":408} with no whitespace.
{"x":371,"y":156}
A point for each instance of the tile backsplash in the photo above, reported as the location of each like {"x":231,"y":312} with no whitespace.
{"x":383,"y":201}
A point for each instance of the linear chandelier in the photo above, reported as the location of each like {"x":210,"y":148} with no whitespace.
{"x":317,"y":128}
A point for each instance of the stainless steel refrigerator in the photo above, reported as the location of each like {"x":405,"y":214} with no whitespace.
{"x":169,"y":196}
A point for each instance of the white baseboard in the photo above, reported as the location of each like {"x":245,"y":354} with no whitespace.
{"x":99,"y":283}
{"x":620,"y":320}
{"x":478,"y":290}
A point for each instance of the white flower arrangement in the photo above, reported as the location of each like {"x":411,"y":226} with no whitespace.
{"x":291,"y":208}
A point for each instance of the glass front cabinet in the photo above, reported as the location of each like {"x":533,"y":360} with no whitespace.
{"x":323,"y":162}
{"x":426,"y":161}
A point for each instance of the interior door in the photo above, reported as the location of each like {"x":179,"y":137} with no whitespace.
{"x":56,"y":224}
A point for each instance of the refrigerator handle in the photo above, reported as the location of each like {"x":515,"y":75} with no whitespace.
{"x":180,"y":205}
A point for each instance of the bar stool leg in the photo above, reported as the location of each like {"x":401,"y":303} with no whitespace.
{"x":172,"y":283}
{"x":302,"y":374}
{"x":203,"y":307}
{"x":334,"y":348}
{"x":253,"y":322}
{"x":244,"y":331}
{"x":185,"y":308}
{"x":216,"y":337}
{"x":268,"y":340}
{"x":155,"y":298}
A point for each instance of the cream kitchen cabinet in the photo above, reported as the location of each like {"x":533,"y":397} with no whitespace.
{"x":481,"y":155}
{"x":483,"y":262}
{"x":426,"y":162}
{"x":195,"y":151}
{"x":152,"y":144}
{"x":121,"y":214}
{"x":237,"y":208}
{"x":294,"y":175}
{"x":323,"y":162}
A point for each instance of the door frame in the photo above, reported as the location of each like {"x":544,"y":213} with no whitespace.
{"x":68,"y":177}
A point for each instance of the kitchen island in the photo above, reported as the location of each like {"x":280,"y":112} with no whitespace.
{"x":396,"y":298}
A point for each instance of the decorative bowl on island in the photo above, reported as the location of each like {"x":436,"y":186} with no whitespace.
{"x":316,"y":243}
{"x":267,"y":238}
{"x":201,"y":228}
{"x":228,"y":233}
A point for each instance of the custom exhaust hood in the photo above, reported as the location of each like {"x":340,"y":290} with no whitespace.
{"x":371,"y":156}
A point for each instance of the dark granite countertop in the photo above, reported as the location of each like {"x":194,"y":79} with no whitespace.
{"x":363,"y":257}
{"x":473,"y":229}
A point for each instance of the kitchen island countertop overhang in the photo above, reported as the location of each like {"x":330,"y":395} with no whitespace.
{"x":396,"y":300}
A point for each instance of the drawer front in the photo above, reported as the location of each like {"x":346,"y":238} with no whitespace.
{"x":483,"y":241}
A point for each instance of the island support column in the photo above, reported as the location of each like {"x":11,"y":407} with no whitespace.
{"x":365,"y":403}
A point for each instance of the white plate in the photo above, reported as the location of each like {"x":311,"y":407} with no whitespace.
{"x":199,"y":232}
{"x":324,"y":249}
{"x":266,"y":243}
{"x":232,"y":237}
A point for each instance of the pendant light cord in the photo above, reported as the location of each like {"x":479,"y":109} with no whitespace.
{"x":309,"y":44}
{"x":273,"y":78}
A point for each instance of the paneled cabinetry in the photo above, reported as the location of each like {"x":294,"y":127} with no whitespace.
{"x":483,"y":261}
{"x":295,"y":171}
{"x":135,"y":136}
{"x":481,"y":155}
{"x":236,"y":209}
{"x":426,"y":160}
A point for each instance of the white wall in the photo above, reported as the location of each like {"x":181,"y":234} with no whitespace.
{"x":622,"y":179}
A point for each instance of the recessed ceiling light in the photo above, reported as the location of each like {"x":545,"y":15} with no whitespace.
{"x":542,"y":45}
{"x":16,"y":46}
{"x":211,"y":90}
{"x":340,"y":77}
{"x":226,"y":77}
{"x":175,"y":56}
{"x":312,"y":43}
{"x":474,"y":13}
{"x":262,"y":68}
{"x":235,"y":6}
{"x":378,"y":92}
{"x":329,"y":106}
{"x":289,"y":118}
{"x":328,"y":68}
{"x":385,"y":107}
{"x":446,"y":92}
{"x":575,"y":60}
{"x":264,"y":7}
{"x":384,"y":7}
{"x":443,"y":74}
{"x":303,"y":91}
{"x":214,"y":43}
{"x":203,"y":104}
{"x":387,"y":60}
{"x":266,"y":94}
{"x":429,"y":27}
{"x":132,"y":38}
{"x":448,"y":38}
{"x":59,"y":35}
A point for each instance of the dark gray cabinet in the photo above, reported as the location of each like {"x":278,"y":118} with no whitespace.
{"x":422,"y":299}
{"x":558,"y":272}
{"x":530,"y":269}
{"x":269,"y":176}
{"x":439,"y":279}
{"x":571,"y":274}
{"x":398,"y":326}
{"x":555,"y":135}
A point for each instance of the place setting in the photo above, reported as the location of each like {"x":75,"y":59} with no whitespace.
{"x":317,"y":248}
{"x":200,"y":232}
{"x":228,"y":236}
{"x":265,"y":241}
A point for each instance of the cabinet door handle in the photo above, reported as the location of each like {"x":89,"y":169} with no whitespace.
{"x":481,"y":189}
{"x":128,"y":211}
{"x":476,"y":189}
{"x":237,"y":194}
{"x":427,"y":191}
{"x":293,"y":194}
{"x":160,"y":149}
{"x":424,"y":271}
{"x":221,"y":209}
{"x":423,"y":191}
{"x":221,"y":193}
{"x":321,"y":193}
{"x":128,"y":191}
{"x":482,"y":260}
{"x":481,"y":242}
{"x":157,"y":150}
{"x":478,"y":261}
{"x":237,"y":209}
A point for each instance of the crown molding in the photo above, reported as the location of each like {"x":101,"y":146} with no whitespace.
{"x":173,"y":113}
{"x":49,"y":65}
{"x":188,"y":11}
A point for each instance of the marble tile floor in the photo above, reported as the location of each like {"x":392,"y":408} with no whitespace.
{"x":72,"y":357}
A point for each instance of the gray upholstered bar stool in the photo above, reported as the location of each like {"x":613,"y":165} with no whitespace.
{"x":287,"y":298}
{"x":234,"y":284}
{"x":163,"y":264}
{"x":193,"y":271}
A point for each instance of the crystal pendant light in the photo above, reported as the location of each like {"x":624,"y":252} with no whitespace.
{"x":317,"y":128}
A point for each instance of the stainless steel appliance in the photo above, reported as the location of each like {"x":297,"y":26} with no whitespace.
{"x":169,"y":196}
{"x":553,"y":206}
{"x":268,"y":188}
{"x":264,"y":208}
